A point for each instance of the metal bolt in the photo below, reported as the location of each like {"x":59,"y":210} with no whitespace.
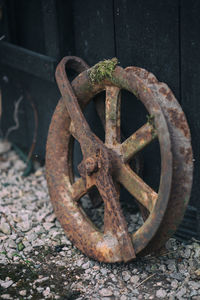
{"x":91,"y":165}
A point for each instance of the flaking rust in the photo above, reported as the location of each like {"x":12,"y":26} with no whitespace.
{"x":105,"y":165}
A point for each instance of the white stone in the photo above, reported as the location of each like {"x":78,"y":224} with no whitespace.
{"x":48,"y":225}
{"x":134,"y":279}
{"x":11,"y":244}
{"x":161,"y":293}
{"x":103,"y":271}
{"x":41,"y":279}
{"x":5,"y":228}
{"x":50,"y":218}
{"x":46,"y":292}
{"x":197,"y":251}
{"x":10,"y":253}
{"x":38,"y":229}
{"x":24,"y":226}
{"x":86,"y":265}
{"x":5,"y":284}
{"x":181,"y":292}
{"x":4,"y":146}
{"x":38,"y":173}
{"x":174,"y":284}
{"x":126,"y":275}
{"x":22,"y":292}
{"x":31,"y":236}
{"x":194,"y":285}
{"x":162,"y":268}
{"x":4,"y":165}
{"x":3,"y":259}
{"x":19,"y":165}
{"x":40,"y":289}
{"x":6,"y":296}
{"x":79,"y":262}
{"x":105,"y":292}
{"x":38,"y":243}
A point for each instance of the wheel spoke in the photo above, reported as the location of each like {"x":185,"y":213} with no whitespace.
{"x":114,"y":221}
{"x":136,"y":186}
{"x":137,"y":141}
{"x":112,"y":127}
{"x":78,"y":189}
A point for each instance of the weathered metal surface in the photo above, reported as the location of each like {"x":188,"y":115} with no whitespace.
{"x":137,"y":141}
{"x":182,"y":157}
{"x":112,"y":121}
{"x":102,"y":164}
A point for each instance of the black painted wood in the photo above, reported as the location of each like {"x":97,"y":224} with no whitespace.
{"x":28,"y":61}
{"x":50,"y":24}
{"x":28,"y":18}
{"x":4,"y":26}
{"x":9,"y":19}
{"x":147,"y":36}
{"x":190,"y":78}
{"x":93,"y":30}
{"x":65,"y":27}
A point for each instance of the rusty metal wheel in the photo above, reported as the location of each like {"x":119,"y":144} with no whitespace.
{"x":105,"y":164}
{"x":182,"y":157}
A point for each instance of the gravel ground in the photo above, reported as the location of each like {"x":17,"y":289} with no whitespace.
{"x":37,"y":261}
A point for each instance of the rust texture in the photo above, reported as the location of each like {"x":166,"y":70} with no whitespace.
{"x":182,"y":157}
{"x":104,"y":165}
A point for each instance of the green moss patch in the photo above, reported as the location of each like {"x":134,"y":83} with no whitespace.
{"x":104,"y":69}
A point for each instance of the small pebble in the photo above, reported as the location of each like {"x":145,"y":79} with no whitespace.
{"x":161,"y":293}
{"x":6,"y":284}
{"x":5,"y":228}
{"x":103,"y":271}
{"x":181,"y":292}
{"x":22,"y":292}
{"x":105,"y":292}
{"x":6,"y":296}
{"x":46,"y":292}
{"x":174,"y":284}
{"x":126,"y":275}
{"x":134,"y":279}
{"x":86,"y":265}
{"x":47,"y":225}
